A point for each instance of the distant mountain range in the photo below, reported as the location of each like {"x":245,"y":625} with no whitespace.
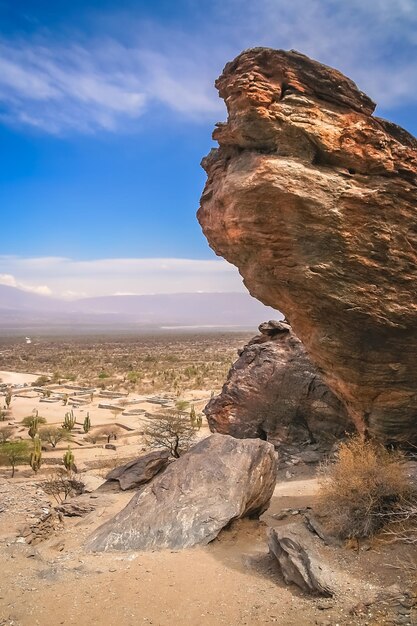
{"x":26,"y":312}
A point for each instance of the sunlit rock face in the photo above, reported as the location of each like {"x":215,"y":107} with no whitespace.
{"x":314,"y":200}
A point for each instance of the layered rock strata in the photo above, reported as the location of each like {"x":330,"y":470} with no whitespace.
{"x":314,"y":199}
{"x":274,"y":392}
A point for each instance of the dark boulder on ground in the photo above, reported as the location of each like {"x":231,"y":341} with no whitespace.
{"x":140,"y":470}
{"x":219,"y":480}
{"x":274,"y":392}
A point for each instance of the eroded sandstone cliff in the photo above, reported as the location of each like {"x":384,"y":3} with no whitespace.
{"x":274,"y":392}
{"x":314,"y":200}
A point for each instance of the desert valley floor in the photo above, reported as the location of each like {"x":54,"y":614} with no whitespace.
{"x":48,"y":577}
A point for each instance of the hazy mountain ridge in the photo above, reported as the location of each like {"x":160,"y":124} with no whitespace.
{"x":20,"y":308}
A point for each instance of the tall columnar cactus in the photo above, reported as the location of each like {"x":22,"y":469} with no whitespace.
{"x":69,"y":420}
{"x":193,"y":416}
{"x":8,"y":398}
{"x":68,"y":459}
{"x":35,"y":458}
{"x":87,"y":423}
{"x":33,"y":428}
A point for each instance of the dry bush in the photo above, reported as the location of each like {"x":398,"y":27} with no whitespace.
{"x":53,"y":435}
{"x":402,"y":523}
{"x":172,"y":431}
{"x":112,"y":431}
{"x":6,"y":433}
{"x":361,"y":490}
{"x":62,"y":485}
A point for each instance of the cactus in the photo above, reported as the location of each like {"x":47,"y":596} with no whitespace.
{"x":193,"y":416}
{"x":68,"y":459}
{"x":33,"y":428}
{"x":87,"y":423}
{"x":35,"y":458}
{"x":69,"y":420}
{"x":8,"y":398}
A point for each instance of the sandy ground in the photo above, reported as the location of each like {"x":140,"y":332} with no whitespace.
{"x":232,"y":581}
{"x":17,"y":378}
{"x":130,"y":442}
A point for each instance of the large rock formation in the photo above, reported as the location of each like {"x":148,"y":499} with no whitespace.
{"x":314,"y":200}
{"x":219,"y":480}
{"x":274,"y":392}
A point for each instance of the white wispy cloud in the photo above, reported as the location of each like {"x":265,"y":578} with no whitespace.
{"x":67,"y":83}
{"x":11,"y":281}
{"x":69,"y":278}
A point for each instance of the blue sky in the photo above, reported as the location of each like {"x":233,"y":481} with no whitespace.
{"x":106,"y":109}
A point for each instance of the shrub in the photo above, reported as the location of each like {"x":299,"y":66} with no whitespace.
{"x":105,"y":432}
{"x":172,"y":431}
{"x":62,"y":485}
{"x":27,"y":421}
{"x":14,"y":453}
{"x":362,"y":488}
{"x":5,"y":433}
{"x":53,"y":435}
{"x":41,"y":381}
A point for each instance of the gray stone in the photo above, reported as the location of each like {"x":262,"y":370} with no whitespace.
{"x":140,"y":470}
{"x":74,"y":509}
{"x":219,"y":480}
{"x":297,"y":555}
{"x":274,"y":392}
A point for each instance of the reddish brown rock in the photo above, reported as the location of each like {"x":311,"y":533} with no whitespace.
{"x":314,"y":200}
{"x":274,"y":392}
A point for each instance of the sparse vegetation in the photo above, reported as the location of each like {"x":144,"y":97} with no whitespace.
{"x":8,"y":398}
{"x":172,"y":431}
{"x":361,"y":490}
{"x":69,"y":460}
{"x":5,"y":433}
{"x":169,"y":363}
{"x":14,"y":453}
{"x":69,"y":421}
{"x":35,"y":459}
{"x":87,"y":423}
{"x":111,"y":431}
{"x":62,"y":485}
{"x":27,"y":421}
{"x":41,"y":381}
{"x":53,"y":435}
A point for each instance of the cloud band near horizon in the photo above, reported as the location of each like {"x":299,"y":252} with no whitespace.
{"x":71,"y":279}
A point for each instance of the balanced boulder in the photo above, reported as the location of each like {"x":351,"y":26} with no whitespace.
{"x":314,"y":199}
